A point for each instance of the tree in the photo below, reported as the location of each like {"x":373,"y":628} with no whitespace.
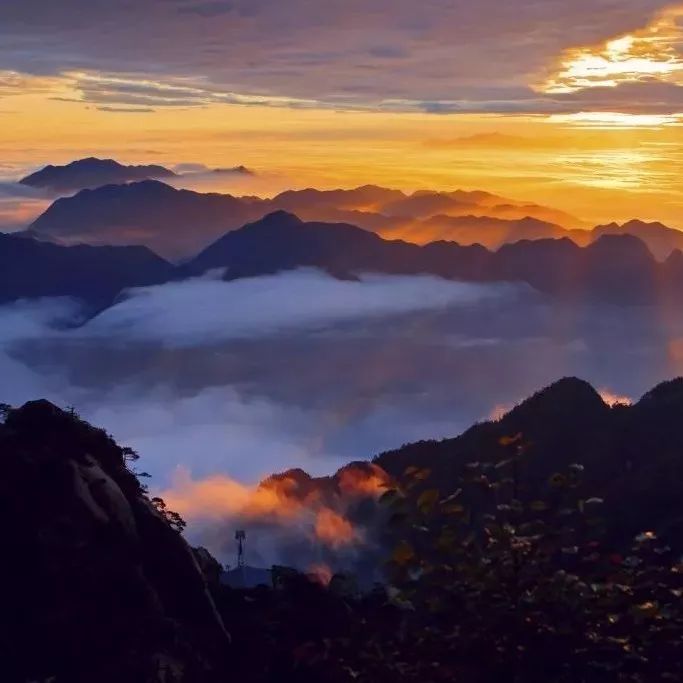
{"x":174,"y":519}
{"x":495,"y":585}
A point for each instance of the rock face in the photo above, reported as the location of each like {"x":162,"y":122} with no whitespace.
{"x":95,"y":584}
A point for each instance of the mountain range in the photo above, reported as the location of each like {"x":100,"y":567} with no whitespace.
{"x":31,"y":269}
{"x":90,"y":173}
{"x":631,"y":455}
{"x":179,"y":223}
{"x":616,"y":268}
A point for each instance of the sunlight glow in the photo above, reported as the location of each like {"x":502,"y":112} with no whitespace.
{"x":613,"y":119}
{"x":651,"y":53}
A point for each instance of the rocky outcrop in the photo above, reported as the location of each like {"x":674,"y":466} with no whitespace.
{"x":95,"y":584}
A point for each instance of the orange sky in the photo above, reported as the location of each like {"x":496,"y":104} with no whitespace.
{"x":595,"y":131}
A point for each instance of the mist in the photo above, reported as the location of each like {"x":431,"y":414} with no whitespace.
{"x":232,"y":381}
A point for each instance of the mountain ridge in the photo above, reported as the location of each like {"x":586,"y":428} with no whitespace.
{"x":92,"y":172}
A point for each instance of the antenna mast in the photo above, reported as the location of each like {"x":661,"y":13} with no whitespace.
{"x":240,"y":537}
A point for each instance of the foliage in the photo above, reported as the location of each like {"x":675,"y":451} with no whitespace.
{"x":496,"y":585}
{"x":174,"y":519}
{"x":488,"y":583}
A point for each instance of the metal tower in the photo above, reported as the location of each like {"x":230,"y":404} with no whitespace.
{"x":240,"y":537}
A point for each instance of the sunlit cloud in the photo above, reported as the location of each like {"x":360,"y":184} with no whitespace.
{"x":651,"y":53}
{"x":614,"y":399}
{"x":615,"y":119}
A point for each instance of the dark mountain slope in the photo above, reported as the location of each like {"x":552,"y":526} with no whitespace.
{"x":281,"y":241}
{"x":31,"y":269}
{"x":95,"y":584}
{"x":660,"y":239}
{"x":633,"y":455}
{"x":616,"y":268}
{"x":90,"y":173}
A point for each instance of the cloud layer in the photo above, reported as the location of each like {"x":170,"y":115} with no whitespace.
{"x":229,"y":382}
{"x":432,"y":55}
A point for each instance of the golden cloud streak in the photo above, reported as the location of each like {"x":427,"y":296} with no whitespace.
{"x":650,"y":53}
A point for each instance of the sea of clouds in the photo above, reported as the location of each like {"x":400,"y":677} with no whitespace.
{"x":240,"y":379}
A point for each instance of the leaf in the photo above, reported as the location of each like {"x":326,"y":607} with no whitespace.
{"x":427,"y":500}
{"x":453,"y":509}
{"x":390,"y":497}
{"x":510,"y":440}
{"x":422,"y":474}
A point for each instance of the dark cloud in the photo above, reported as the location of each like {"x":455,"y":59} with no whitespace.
{"x":207,"y":9}
{"x":127,"y":110}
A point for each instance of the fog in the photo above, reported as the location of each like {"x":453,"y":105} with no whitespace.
{"x":20,"y":205}
{"x":237,"y":380}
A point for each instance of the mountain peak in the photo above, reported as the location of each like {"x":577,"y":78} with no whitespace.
{"x":623,"y":243}
{"x":568,"y":398}
{"x":280,"y":219}
{"x":91,"y":172}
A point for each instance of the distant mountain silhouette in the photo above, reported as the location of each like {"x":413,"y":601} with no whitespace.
{"x":174,"y":223}
{"x":91,"y":173}
{"x":177,"y":223}
{"x":364,"y":198}
{"x":239,"y":170}
{"x":423,"y":204}
{"x":660,"y":239}
{"x":30,"y":269}
{"x":615,"y":268}
{"x":492,"y":232}
{"x":95,"y":584}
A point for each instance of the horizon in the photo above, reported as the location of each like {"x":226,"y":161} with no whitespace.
{"x":582,"y":117}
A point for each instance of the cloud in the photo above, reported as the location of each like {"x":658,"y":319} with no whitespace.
{"x":20,"y":205}
{"x":127,"y":110}
{"x":207,"y":9}
{"x":256,"y":306}
{"x":218,"y":384}
{"x":429,"y":56}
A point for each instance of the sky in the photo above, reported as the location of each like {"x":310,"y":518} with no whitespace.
{"x":574,"y":104}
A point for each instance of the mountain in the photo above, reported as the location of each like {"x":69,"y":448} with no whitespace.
{"x":364,"y":198}
{"x":281,"y":241}
{"x":615,"y":268}
{"x":491,"y":233}
{"x":90,"y":173}
{"x":178,"y":223}
{"x":632,"y":455}
{"x":30,"y":268}
{"x":95,"y":583}
{"x":660,"y":239}
{"x":420,"y":205}
{"x":173,"y":223}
